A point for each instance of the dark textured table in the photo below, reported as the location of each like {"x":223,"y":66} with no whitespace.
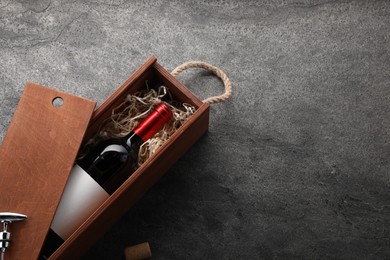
{"x":295,"y":165}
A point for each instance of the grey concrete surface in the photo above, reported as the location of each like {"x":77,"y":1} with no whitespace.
{"x":295,"y":165}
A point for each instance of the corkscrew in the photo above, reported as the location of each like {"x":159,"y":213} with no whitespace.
{"x":7,"y":218}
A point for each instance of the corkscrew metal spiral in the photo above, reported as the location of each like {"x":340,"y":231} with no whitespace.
{"x":7,"y":218}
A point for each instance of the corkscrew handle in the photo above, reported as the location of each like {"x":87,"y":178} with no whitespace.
{"x":7,"y":218}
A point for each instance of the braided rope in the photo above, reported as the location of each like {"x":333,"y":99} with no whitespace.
{"x":216,"y":71}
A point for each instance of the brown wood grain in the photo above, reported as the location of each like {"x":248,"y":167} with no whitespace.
{"x":36,"y":157}
{"x":150,"y":172}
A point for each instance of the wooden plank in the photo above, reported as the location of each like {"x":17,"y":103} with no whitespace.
{"x":36,"y":157}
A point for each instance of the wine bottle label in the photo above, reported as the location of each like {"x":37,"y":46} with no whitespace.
{"x":81,"y":197}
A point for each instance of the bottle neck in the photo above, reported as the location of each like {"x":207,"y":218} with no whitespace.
{"x":132,"y":139}
{"x":153,"y":122}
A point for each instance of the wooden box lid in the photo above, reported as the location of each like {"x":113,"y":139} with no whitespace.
{"x":36,"y":157}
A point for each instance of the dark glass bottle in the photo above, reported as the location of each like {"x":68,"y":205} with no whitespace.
{"x":97,"y":175}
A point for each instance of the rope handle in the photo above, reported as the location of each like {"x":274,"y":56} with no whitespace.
{"x":216,"y":71}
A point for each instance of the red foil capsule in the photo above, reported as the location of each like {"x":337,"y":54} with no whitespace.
{"x":153,"y":122}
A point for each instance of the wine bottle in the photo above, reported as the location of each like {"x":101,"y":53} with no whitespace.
{"x":96,"y":175}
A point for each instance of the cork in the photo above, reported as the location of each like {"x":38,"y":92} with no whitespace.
{"x":138,"y":252}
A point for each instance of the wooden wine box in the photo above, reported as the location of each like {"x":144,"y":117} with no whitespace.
{"x":40,"y":148}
